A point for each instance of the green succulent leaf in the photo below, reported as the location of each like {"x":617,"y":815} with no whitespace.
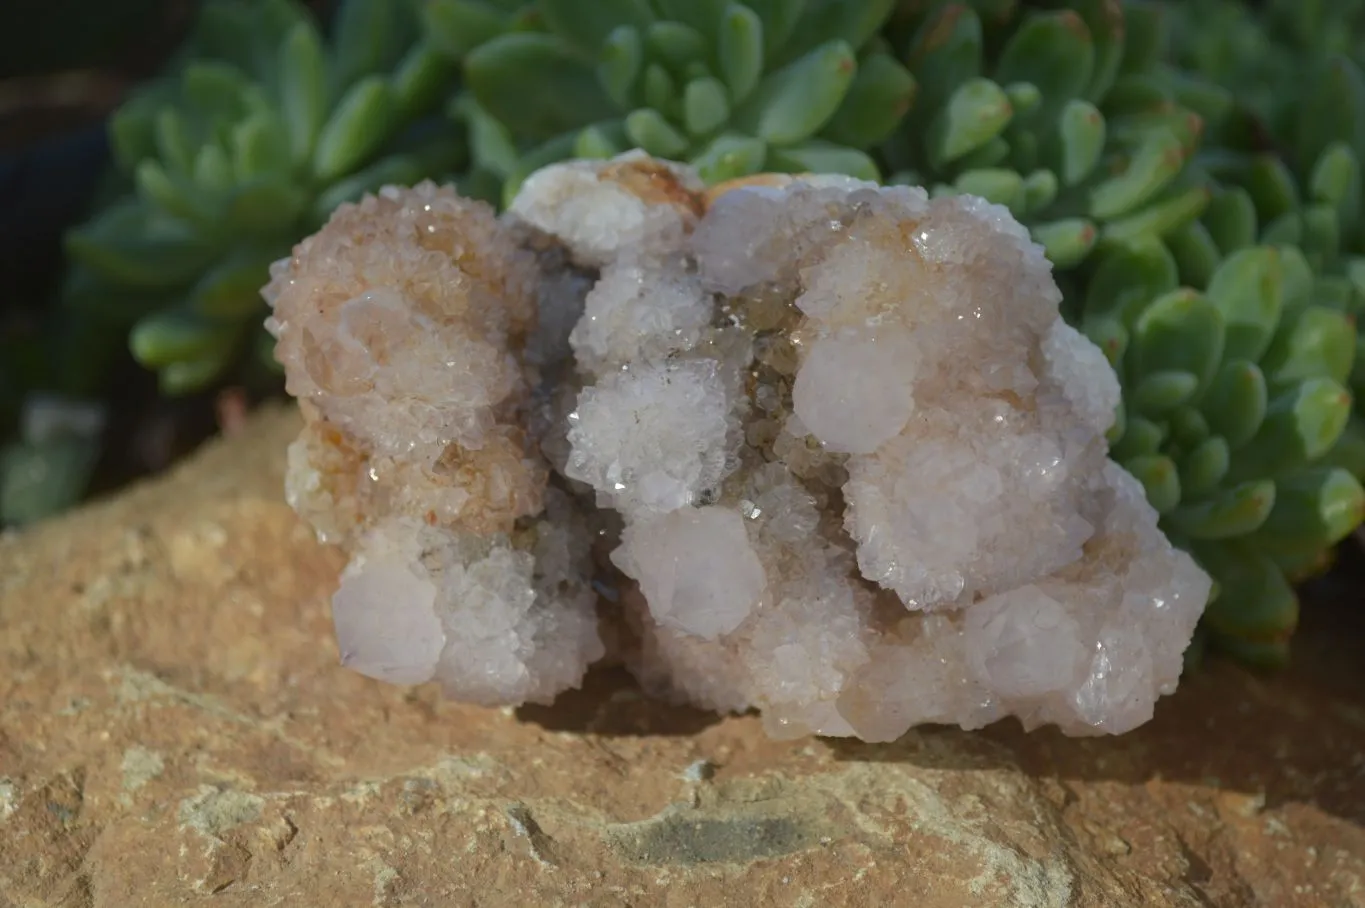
{"x":396,"y":170}
{"x":1075,"y":150}
{"x":975,"y":114}
{"x":363,"y":121}
{"x":1229,"y":514}
{"x":260,"y":148}
{"x":946,"y":52}
{"x":1127,"y":277}
{"x":1160,"y":479}
{"x":1203,"y":468}
{"x":740,"y":50}
{"x":231,"y":289}
{"x":1323,"y":505}
{"x":1188,"y":428}
{"x":368,"y":36}
{"x":661,"y":91}
{"x":1055,"y":52}
{"x":703,"y":15}
{"x":189,"y":376}
{"x":1255,"y":603}
{"x":491,"y":143}
{"x":265,"y":207}
{"x":1156,"y":163}
{"x":599,"y":142}
{"x":1335,"y":180}
{"x":1331,"y":111}
{"x":1196,"y":254}
{"x":213,"y":170}
{"x":1067,"y":242}
{"x":620,"y":63}
{"x":132,"y":128}
{"x":535,"y":85}
{"x":1160,"y":218}
{"x":675,"y":43}
{"x":1025,"y":99}
{"x":1248,"y":289}
{"x":214,"y":89}
{"x":1181,"y":331}
{"x":648,"y":130}
{"x":456,"y":27}
{"x":1105,"y":21}
{"x":586,"y":25}
{"x":40,"y":479}
{"x":1110,"y":335}
{"x":1349,"y":451}
{"x":1316,"y":342}
{"x":1273,"y":187}
{"x":1231,"y":220}
{"x":1145,"y":33}
{"x":1158,"y":393}
{"x":706,"y":106}
{"x":175,"y":195}
{"x":997,"y":185}
{"x":175,"y":143}
{"x":729,"y":157}
{"x":818,"y":156}
{"x":132,"y":245}
{"x":823,"y":21}
{"x":1266,"y":655}
{"x":1040,"y":190}
{"x":1236,"y":402}
{"x":793,"y":103}
{"x":1301,"y":425}
{"x":173,"y":335}
{"x":1298,"y":281}
{"x":422,"y":79}
{"x":779,"y":18}
{"x":879,"y":98}
{"x":1141,"y":437}
{"x":303,"y":88}
{"x":1136,"y":92}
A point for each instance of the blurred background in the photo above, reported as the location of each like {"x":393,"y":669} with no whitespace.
{"x":65,"y":66}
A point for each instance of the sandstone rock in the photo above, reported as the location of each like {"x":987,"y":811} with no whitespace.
{"x":174,"y":724}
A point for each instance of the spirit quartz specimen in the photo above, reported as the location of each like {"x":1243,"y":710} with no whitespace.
{"x":827,"y":447}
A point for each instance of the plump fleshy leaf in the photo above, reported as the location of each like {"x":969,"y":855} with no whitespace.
{"x":739,"y":48}
{"x":363,"y":121}
{"x":534,"y":85}
{"x":586,"y":25}
{"x":793,"y":103}
{"x":977,"y":112}
{"x":880,"y":96}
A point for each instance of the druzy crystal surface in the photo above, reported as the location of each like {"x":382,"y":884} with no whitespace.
{"x":806,"y":445}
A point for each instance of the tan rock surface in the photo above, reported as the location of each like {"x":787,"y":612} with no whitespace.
{"x":175,"y":729}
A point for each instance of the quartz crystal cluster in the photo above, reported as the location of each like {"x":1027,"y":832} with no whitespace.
{"x":825,"y":449}
{"x":405,"y":326}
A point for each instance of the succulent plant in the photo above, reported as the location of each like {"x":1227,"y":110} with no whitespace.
{"x":732,"y":88}
{"x":258,"y":131}
{"x":1292,"y":155}
{"x":1234,"y":400}
{"x":1032,"y":108}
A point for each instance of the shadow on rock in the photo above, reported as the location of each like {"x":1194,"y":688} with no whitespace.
{"x":611,"y":704}
{"x":1294,"y":736}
